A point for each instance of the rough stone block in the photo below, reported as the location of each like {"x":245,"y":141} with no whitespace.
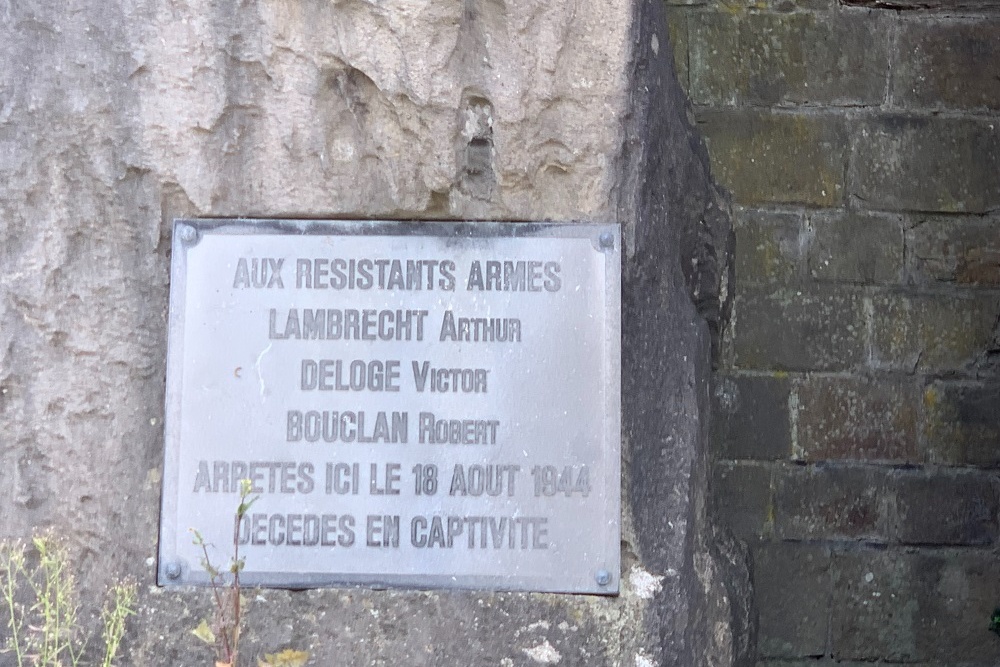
{"x":769,"y":246}
{"x":948,"y":64}
{"x":750,"y":417}
{"x":861,"y":419}
{"x":962,"y":424}
{"x":874,"y":607}
{"x":965,"y":251}
{"x":856,"y":247}
{"x":813,"y":328}
{"x":813,"y":662}
{"x":931,"y":606}
{"x":790,"y":158}
{"x":947,"y":507}
{"x":837,"y":58}
{"x":931,"y":332}
{"x":925,"y":5}
{"x":926,"y":164}
{"x":793,"y":586}
{"x":741,"y":493}
{"x":792,"y":5}
{"x":714,"y":64}
{"x":833,"y":502}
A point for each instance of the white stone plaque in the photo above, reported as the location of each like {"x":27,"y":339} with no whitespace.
{"x":419,"y":404}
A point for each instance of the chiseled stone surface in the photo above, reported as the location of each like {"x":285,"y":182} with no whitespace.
{"x":118,"y":116}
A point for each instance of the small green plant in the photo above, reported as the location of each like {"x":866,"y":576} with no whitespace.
{"x":224,"y":631}
{"x":114,"y":615}
{"x":45,"y":630}
{"x":995,"y":621}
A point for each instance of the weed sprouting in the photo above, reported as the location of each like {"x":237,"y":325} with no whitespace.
{"x":41,"y":601}
{"x":224,"y":631}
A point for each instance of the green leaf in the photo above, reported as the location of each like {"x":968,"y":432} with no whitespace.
{"x":204,"y":632}
{"x":245,"y":506}
{"x":287,"y":658}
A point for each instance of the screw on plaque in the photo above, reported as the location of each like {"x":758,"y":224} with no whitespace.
{"x":603,"y":577}
{"x":173,"y":570}
{"x":606,"y":240}
{"x":188,"y":233}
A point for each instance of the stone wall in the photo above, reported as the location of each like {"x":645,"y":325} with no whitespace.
{"x":858,"y":429}
{"x":118,"y":116}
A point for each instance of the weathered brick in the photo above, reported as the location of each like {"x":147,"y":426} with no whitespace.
{"x":792,"y":5}
{"x":837,"y":58}
{"x":962,"y":250}
{"x":741,"y":494}
{"x":925,"y":5}
{"x":714,"y":58}
{"x":874,"y":607}
{"x":957,"y":593}
{"x":812,"y":662}
{"x":833,"y":502}
{"x":863,"y":419}
{"x":750,"y":417}
{"x":927,"y":164}
{"x":764,"y":157}
{"x":922,"y":606}
{"x":947,"y":507}
{"x":813,"y":328}
{"x":792,"y":582}
{"x":962,"y":425}
{"x":832,"y":58}
{"x":948,"y":64}
{"x":792,"y":585}
{"x":768,"y":246}
{"x":931,"y":332}
{"x":856,"y":247}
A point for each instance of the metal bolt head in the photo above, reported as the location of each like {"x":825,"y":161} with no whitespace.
{"x":607,"y":240}
{"x":187,"y":233}
{"x":603,"y":577}
{"x":173,"y":570}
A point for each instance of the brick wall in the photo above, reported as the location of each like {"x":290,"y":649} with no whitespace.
{"x":858,"y":403}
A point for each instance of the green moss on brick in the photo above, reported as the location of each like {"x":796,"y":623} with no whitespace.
{"x":766,"y":158}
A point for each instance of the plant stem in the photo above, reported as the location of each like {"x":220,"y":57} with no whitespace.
{"x":13,"y":567}
{"x":216,"y":594}
{"x":236,"y":581}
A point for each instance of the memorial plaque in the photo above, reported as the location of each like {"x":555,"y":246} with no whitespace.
{"x":431,"y":405}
